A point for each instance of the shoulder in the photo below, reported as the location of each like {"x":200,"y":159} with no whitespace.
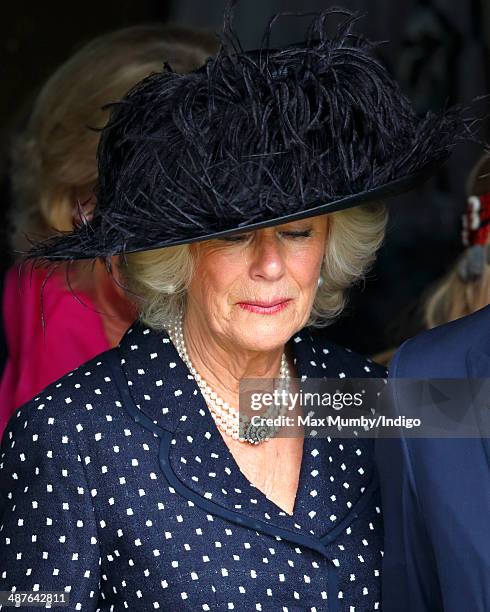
{"x":76,"y":400}
{"x":348,"y":361}
{"x":441,"y":351}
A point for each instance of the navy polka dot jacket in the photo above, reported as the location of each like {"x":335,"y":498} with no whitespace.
{"x":117,"y":488}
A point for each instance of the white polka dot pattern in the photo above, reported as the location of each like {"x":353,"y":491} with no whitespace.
{"x":88,"y":507}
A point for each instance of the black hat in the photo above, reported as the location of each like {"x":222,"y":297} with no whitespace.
{"x":254,"y":139}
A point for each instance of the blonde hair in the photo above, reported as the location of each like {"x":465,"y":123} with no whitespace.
{"x":453,"y":297}
{"x":55,"y":157}
{"x":159,"y":279}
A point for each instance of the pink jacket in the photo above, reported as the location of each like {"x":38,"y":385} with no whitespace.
{"x":73,"y":334}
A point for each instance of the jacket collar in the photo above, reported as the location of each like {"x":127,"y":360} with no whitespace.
{"x":335,"y":473}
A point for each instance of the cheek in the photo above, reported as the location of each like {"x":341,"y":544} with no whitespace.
{"x":215,"y":274}
{"x":306,"y":264}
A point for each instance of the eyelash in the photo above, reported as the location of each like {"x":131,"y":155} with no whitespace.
{"x":240,"y":237}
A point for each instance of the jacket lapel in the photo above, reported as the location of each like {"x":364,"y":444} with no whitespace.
{"x":336,"y":476}
{"x":478,"y":367}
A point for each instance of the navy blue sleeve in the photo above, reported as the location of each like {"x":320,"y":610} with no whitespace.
{"x":409,"y":580}
{"x":436,"y":506}
{"x":48,"y":533}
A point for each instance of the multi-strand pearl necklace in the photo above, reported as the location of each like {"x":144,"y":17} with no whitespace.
{"x":226,"y":417}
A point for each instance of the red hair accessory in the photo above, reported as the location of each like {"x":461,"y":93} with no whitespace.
{"x":476,"y":220}
{"x":475,"y":235}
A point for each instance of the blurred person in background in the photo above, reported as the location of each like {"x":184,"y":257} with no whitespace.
{"x":466,"y":287}
{"x":54,"y":170}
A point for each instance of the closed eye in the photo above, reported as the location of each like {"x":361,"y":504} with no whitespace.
{"x":241,"y":237}
{"x":304,"y":234}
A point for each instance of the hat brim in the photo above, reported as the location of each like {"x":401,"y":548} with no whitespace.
{"x":89,"y":241}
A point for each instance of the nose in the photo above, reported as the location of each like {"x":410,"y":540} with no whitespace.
{"x":266,"y":257}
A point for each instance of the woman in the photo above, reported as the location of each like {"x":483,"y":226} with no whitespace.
{"x":53,"y":173}
{"x":217,"y":185}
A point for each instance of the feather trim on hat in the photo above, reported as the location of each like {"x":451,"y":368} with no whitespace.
{"x":254,"y":136}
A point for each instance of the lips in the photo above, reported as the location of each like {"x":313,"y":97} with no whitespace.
{"x":265,"y":307}
{"x":267,"y":304}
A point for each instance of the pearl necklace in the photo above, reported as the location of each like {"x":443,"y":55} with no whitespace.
{"x":226,"y":417}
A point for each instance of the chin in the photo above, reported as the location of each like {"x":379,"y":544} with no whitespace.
{"x":264,"y":335}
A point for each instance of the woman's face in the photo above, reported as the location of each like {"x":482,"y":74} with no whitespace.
{"x":274,"y":264}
